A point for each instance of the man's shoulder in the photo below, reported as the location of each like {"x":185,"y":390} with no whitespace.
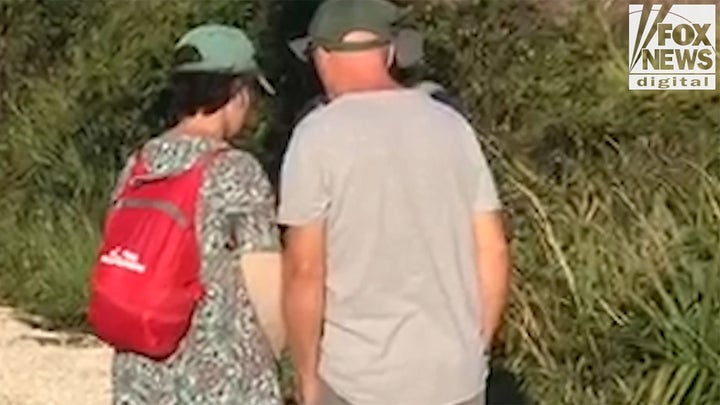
{"x":442,"y":99}
{"x":309,"y":129}
{"x":311,"y":115}
{"x":320,"y":112}
{"x":310,"y":108}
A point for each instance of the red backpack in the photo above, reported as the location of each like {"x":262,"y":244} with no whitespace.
{"x":146,"y":280}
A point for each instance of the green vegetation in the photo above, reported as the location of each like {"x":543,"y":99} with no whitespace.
{"x":614,"y":196}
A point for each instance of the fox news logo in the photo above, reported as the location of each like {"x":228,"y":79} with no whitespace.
{"x":672,"y":47}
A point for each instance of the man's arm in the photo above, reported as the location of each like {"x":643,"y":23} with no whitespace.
{"x":304,"y":203}
{"x":493,"y":267}
{"x":304,"y":301}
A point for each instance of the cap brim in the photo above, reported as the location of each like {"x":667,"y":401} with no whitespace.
{"x":299,"y":47}
{"x":265,"y":84}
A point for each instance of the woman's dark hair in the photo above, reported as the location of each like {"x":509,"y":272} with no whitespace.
{"x":202,"y":92}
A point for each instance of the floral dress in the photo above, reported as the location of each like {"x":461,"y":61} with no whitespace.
{"x":225,"y":358}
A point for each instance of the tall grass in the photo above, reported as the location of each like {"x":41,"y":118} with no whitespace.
{"x":617,"y":283}
{"x":45,"y":266}
{"x":613,"y":197}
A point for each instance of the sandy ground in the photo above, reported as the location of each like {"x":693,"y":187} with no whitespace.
{"x":45,"y":368}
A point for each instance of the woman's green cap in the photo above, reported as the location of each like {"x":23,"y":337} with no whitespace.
{"x":215,"y":48}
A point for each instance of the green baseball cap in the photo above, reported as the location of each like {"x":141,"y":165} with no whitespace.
{"x":334,"y":19}
{"x":215,"y":48}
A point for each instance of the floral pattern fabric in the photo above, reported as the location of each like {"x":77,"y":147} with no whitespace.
{"x":225,"y":358}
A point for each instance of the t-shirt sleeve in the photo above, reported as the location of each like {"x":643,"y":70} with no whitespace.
{"x":486,"y":194}
{"x":304,"y":191}
{"x":249,"y":203}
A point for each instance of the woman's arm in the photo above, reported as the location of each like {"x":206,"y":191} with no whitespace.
{"x":252,"y":210}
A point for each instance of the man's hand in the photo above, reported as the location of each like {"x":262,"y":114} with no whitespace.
{"x":493,"y":266}
{"x":304,"y":302}
{"x":307,"y":389}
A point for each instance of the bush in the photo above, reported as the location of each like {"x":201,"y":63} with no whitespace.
{"x":613,"y":196}
{"x":69,"y":128}
{"x":613,"y":200}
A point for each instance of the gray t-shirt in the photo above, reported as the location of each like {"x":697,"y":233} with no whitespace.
{"x":397,"y":176}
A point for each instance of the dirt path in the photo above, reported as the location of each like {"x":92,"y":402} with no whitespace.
{"x":44,"y":368}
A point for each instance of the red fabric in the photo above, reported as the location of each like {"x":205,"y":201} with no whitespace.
{"x":146,"y":284}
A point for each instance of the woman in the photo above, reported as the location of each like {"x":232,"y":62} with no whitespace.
{"x":225,"y":358}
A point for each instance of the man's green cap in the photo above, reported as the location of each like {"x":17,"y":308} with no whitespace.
{"x":334,"y":19}
{"x":214,"y":48}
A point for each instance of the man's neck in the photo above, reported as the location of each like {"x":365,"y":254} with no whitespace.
{"x":362,"y":86}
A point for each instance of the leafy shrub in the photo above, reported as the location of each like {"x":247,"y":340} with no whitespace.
{"x":612,"y":196}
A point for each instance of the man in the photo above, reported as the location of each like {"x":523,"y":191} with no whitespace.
{"x":396,"y":264}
